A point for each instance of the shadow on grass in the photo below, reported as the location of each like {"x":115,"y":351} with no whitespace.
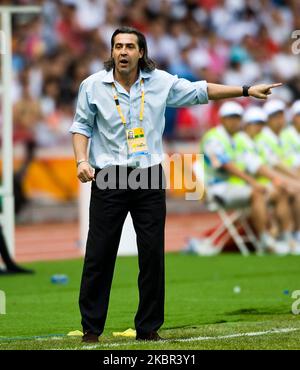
{"x":257,"y":311}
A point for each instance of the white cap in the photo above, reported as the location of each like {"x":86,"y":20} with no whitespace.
{"x":254,"y":115}
{"x":231,"y":108}
{"x":295,"y":108}
{"x":273,"y":106}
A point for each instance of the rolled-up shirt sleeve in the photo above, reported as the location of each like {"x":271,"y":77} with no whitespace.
{"x":185,"y":93}
{"x":85,"y":114}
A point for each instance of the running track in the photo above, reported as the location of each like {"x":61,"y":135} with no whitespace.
{"x":60,"y":240}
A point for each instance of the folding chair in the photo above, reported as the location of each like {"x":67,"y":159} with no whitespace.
{"x":233,"y":221}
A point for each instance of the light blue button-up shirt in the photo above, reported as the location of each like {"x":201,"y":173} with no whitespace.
{"x":97,"y":117}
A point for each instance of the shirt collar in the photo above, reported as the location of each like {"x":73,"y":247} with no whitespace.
{"x":144,"y":74}
{"x":268,"y":131}
{"x":248,"y":138}
{"x":224,"y":132}
{"x":109,"y":76}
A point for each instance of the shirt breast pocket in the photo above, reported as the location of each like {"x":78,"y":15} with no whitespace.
{"x":107,"y":119}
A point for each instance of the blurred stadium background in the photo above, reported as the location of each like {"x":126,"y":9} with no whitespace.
{"x":230,"y":42}
{"x":222,"y":41}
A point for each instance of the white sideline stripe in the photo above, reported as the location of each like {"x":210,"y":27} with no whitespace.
{"x":50,"y":338}
{"x":199,"y":339}
{"x":192,"y":339}
{"x":251,"y":334}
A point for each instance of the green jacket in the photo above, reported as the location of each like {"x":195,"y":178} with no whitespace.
{"x":290,"y":140}
{"x":248,"y":153}
{"x":218,"y":148}
{"x":269,"y":147}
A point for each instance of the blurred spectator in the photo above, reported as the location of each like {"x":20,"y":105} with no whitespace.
{"x":50,"y":97}
{"x":279,"y":22}
{"x":285,"y":65}
{"x":136,"y":15}
{"x":162,"y":47}
{"x":113,"y":12}
{"x":68,"y":29}
{"x":90,"y":14}
{"x":54,"y":130}
{"x":181,"y":66}
{"x":27,"y":113}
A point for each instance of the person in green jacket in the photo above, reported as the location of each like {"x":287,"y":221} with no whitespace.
{"x":271,"y":149}
{"x":254,"y":120}
{"x":290,"y":139}
{"x":225,"y":176}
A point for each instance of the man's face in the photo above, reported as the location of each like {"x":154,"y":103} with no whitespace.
{"x":126,"y":53}
{"x":254,"y":129}
{"x":232,"y":124}
{"x":277,"y":122}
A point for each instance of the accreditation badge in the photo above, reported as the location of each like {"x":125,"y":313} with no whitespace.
{"x":136,"y":141}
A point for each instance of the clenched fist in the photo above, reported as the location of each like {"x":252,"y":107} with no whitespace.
{"x":85,"y":172}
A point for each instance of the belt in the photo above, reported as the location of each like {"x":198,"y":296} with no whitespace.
{"x":131,"y":168}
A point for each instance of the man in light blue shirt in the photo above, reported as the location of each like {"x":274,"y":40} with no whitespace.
{"x":121,"y":110}
{"x":97,"y":117}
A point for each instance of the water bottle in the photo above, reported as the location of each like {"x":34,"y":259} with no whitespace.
{"x":59,"y":279}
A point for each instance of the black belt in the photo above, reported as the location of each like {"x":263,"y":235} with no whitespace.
{"x":131,"y":168}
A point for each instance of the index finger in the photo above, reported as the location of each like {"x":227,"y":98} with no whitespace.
{"x":275,"y":85}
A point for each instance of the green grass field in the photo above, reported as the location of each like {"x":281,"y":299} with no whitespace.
{"x":202,"y":310}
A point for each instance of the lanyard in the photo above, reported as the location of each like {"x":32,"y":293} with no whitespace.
{"x":118,"y":103}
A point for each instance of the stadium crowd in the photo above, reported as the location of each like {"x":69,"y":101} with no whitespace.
{"x":222,"y":41}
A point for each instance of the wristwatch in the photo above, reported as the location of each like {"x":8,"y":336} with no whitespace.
{"x":246,"y":90}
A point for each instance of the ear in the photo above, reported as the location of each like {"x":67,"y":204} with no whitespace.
{"x":141,"y":53}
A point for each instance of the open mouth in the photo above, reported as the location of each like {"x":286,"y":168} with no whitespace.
{"x":123,"y":62}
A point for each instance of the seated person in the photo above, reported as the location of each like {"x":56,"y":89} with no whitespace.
{"x":227,"y":179}
{"x":272,"y":151}
{"x":290,"y":139}
{"x":277,"y":195}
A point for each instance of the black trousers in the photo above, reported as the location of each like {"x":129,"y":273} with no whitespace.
{"x":108,"y":210}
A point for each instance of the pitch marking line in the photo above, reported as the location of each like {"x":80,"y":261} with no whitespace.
{"x":191,"y":339}
{"x":199,"y":339}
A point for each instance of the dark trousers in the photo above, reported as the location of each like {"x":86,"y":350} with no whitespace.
{"x":108,"y":210}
